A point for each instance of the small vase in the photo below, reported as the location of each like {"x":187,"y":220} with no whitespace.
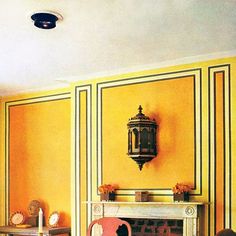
{"x":107,"y":196}
{"x":181,"y":197}
{"x":141,"y":196}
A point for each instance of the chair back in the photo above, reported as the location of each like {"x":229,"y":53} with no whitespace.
{"x":109,"y":226}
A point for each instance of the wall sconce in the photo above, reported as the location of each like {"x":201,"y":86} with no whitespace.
{"x":141,"y":138}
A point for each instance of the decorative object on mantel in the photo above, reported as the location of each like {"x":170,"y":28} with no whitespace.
{"x":17,"y":218}
{"x":181,"y":192}
{"x":141,"y":196}
{"x":107,"y":192}
{"x":33,"y":210}
{"x":53,"y":219}
{"x":40,"y":222}
{"x":142,"y":138}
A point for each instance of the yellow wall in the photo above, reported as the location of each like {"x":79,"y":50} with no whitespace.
{"x":38,"y":134}
{"x":194,"y":106}
{"x":167,"y":101}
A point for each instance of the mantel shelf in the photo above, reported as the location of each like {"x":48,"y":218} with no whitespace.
{"x":145,"y":203}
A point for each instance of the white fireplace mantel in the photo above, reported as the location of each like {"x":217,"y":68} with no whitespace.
{"x":187,"y":211}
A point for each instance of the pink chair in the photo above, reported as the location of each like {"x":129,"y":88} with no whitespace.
{"x":109,"y":226}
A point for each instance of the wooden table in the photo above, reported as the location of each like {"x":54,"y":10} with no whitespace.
{"x":34,"y":231}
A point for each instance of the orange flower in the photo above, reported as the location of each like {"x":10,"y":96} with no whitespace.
{"x":181,"y":188}
{"x":106,"y":188}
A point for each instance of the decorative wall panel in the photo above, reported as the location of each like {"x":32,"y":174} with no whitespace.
{"x":32,"y":142}
{"x":81,"y":174}
{"x":220,"y":157}
{"x":174,"y":99}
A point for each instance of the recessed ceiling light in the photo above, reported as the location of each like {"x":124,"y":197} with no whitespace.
{"x":46,"y":20}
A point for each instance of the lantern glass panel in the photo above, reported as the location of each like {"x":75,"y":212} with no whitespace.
{"x":144,"y":138}
{"x":135,"y":131}
{"x":152,"y":138}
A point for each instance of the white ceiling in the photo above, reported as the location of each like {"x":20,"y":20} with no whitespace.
{"x":103,"y":37}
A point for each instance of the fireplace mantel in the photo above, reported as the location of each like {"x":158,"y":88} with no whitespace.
{"x":186,"y":211}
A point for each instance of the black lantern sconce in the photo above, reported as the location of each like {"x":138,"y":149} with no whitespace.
{"x":141,"y":138}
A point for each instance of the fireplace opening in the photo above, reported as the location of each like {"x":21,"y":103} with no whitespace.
{"x":152,"y":227}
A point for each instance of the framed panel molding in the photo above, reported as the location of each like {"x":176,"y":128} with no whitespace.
{"x":226,"y":145}
{"x":8,"y":105}
{"x":197,"y":83}
{"x":76,"y":160}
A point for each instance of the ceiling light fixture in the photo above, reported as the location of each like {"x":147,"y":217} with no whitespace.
{"x":46,"y":20}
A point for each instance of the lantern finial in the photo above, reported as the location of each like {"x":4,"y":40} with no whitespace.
{"x":140,"y":109}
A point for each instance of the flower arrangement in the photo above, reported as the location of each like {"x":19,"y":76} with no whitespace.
{"x":181,"y":188}
{"x":106,"y":188}
{"x":107,"y":192}
{"x":181,"y":192}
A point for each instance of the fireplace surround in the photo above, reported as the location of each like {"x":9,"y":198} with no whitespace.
{"x":186,"y":212}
